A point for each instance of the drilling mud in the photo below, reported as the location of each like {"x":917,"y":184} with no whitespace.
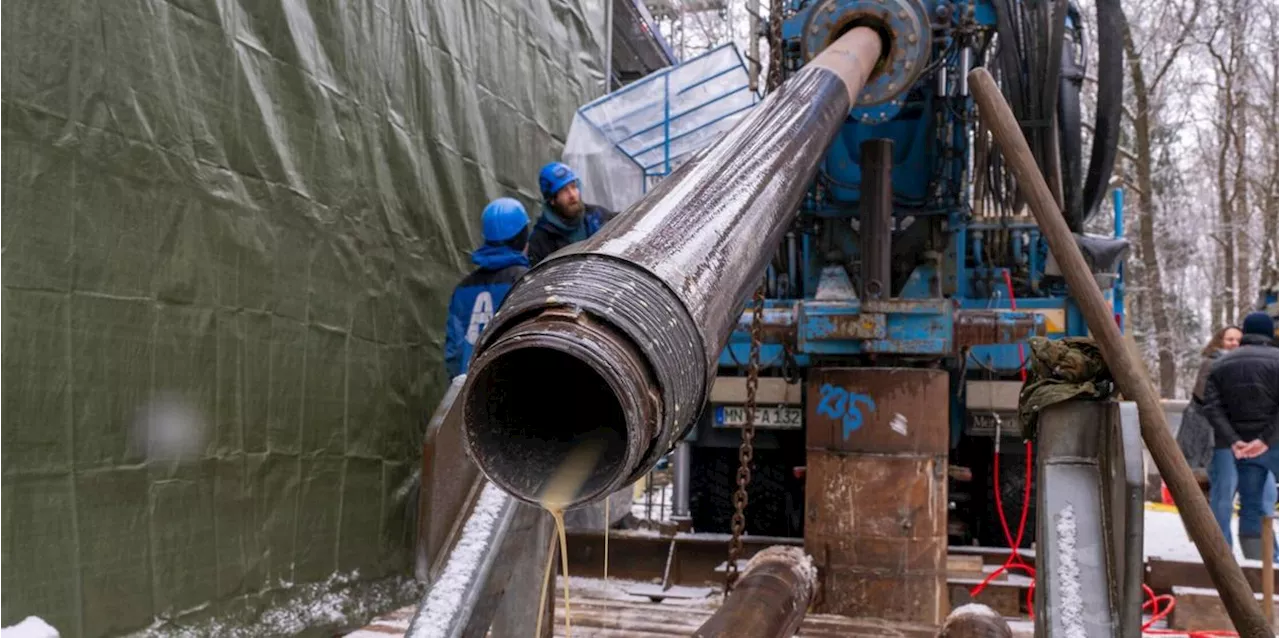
{"x":560,"y":491}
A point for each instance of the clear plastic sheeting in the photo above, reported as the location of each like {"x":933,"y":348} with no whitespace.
{"x":622,"y":143}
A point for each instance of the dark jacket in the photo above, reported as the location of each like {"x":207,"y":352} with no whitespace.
{"x":476,"y":298}
{"x":1195,"y":434}
{"x":1240,"y":396}
{"x":550,"y":234}
{"x":1202,"y":375}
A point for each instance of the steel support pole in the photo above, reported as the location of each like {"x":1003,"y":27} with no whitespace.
{"x":769,"y":599}
{"x":682,"y":466}
{"x":875,"y":218}
{"x":631,"y":322}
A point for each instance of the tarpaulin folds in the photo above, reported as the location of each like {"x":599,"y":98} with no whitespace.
{"x":245,"y":217}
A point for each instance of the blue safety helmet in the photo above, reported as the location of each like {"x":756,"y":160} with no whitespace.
{"x":503,"y":219}
{"x":553,"y":177}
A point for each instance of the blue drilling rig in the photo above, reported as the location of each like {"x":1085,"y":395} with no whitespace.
{"x":912,"y":253}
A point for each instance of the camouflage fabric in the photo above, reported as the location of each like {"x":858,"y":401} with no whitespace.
{"x":1062,"y":370}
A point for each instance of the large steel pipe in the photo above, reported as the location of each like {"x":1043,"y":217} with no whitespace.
{"x":613,"y":341}
{"x":770,"y":598}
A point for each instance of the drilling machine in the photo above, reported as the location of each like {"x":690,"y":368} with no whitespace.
{"x":849,"y":273}
{"x":911,"y":250}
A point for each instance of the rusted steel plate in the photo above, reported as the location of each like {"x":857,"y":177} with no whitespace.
{"x":989,"y":327}
{"x":777,"y":324}
{"x":856,"y":498}
{"x":876,"y":527}
{"x":879,"y":410}
{"x":449,"y":481}
{"x":836,"y":326}
{"x":918,"y":598}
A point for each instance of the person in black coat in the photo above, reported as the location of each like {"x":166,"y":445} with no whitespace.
{"x":565,"y":218}
{"x":1242,"y":403}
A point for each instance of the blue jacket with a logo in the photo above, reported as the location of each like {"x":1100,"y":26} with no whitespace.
{"x":476,"y":298}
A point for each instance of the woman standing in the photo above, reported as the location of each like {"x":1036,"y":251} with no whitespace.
{"x":1195,"y":437}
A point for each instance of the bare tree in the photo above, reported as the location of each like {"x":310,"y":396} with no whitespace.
{"x":1225,"y":45}
{"x":1143,"y":114}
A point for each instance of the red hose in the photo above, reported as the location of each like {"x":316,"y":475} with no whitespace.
{"x":1015,"y":562}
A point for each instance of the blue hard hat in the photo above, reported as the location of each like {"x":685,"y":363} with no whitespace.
{"x":503,"y":219}
{"x":553,"y":177}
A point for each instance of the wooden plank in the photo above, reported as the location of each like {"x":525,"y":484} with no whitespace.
{"x":1165,"y":574}
{"x":965,"y":566}
{"x":1007,"y":599}
{"x":993,"y":555}
{"x":1197,"y":609}
{"x":860,"y":592}
{"x":879,"y":410}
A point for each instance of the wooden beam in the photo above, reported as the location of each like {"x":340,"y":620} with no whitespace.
{"x":1129,"y":372}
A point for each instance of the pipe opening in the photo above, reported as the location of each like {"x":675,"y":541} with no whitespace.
{"x":877,"y":24}
{"x":551,"y":421}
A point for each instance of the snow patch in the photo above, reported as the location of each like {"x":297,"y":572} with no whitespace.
{"x":445,"y":597}
{"x":1164,"y":536}
{"x":973,"y":609}
{"x":660,"y":501}
{"x":342,"y":600}
{"x":30,"y":627}
{"x":1072,"y":605}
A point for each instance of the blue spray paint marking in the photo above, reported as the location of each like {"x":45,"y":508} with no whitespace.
{"x":839,"y":403}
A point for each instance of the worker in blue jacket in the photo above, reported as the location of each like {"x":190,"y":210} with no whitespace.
{"x":565,"y":218}
{"x":500,"y":262}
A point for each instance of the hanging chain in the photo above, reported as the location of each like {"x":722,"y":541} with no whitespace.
{"x":775,"y":46}
{"x":745,"y":451}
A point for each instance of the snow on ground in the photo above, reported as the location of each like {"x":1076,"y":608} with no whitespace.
{"x":655,"y":504}
{"x":1165,"y":537}
{"x":30,"y":627}
{"x":341,"y":600}
{"x":446,"y":593}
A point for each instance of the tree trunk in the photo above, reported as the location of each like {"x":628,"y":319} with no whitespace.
{"x":1240,"y":216}
{"x":1226,"y":238}
{"x":1146,"y":216}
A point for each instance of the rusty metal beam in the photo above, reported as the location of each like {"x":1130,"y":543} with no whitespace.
{"x":875,"y":218}
{"x":633,"y":320}
{"x":770,"y":598}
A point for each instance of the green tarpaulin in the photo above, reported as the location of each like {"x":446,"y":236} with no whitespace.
{"x":236,"y":224}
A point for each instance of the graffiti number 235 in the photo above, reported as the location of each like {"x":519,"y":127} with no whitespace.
{"x":839,"y":403}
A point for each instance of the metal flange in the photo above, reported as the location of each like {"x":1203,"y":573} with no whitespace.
{"x":905,"y":24}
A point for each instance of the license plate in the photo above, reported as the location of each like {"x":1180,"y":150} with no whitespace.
{"x":777,"y":417}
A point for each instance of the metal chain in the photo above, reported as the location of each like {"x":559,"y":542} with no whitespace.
{"x":745,"y":450}
{"x":775,"y":46}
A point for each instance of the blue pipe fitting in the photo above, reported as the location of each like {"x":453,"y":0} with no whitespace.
{"x":906,"y":22}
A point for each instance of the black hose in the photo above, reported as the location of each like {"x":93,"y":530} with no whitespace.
{"x":1069,"y":122}
{"x":1106,"y":131}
